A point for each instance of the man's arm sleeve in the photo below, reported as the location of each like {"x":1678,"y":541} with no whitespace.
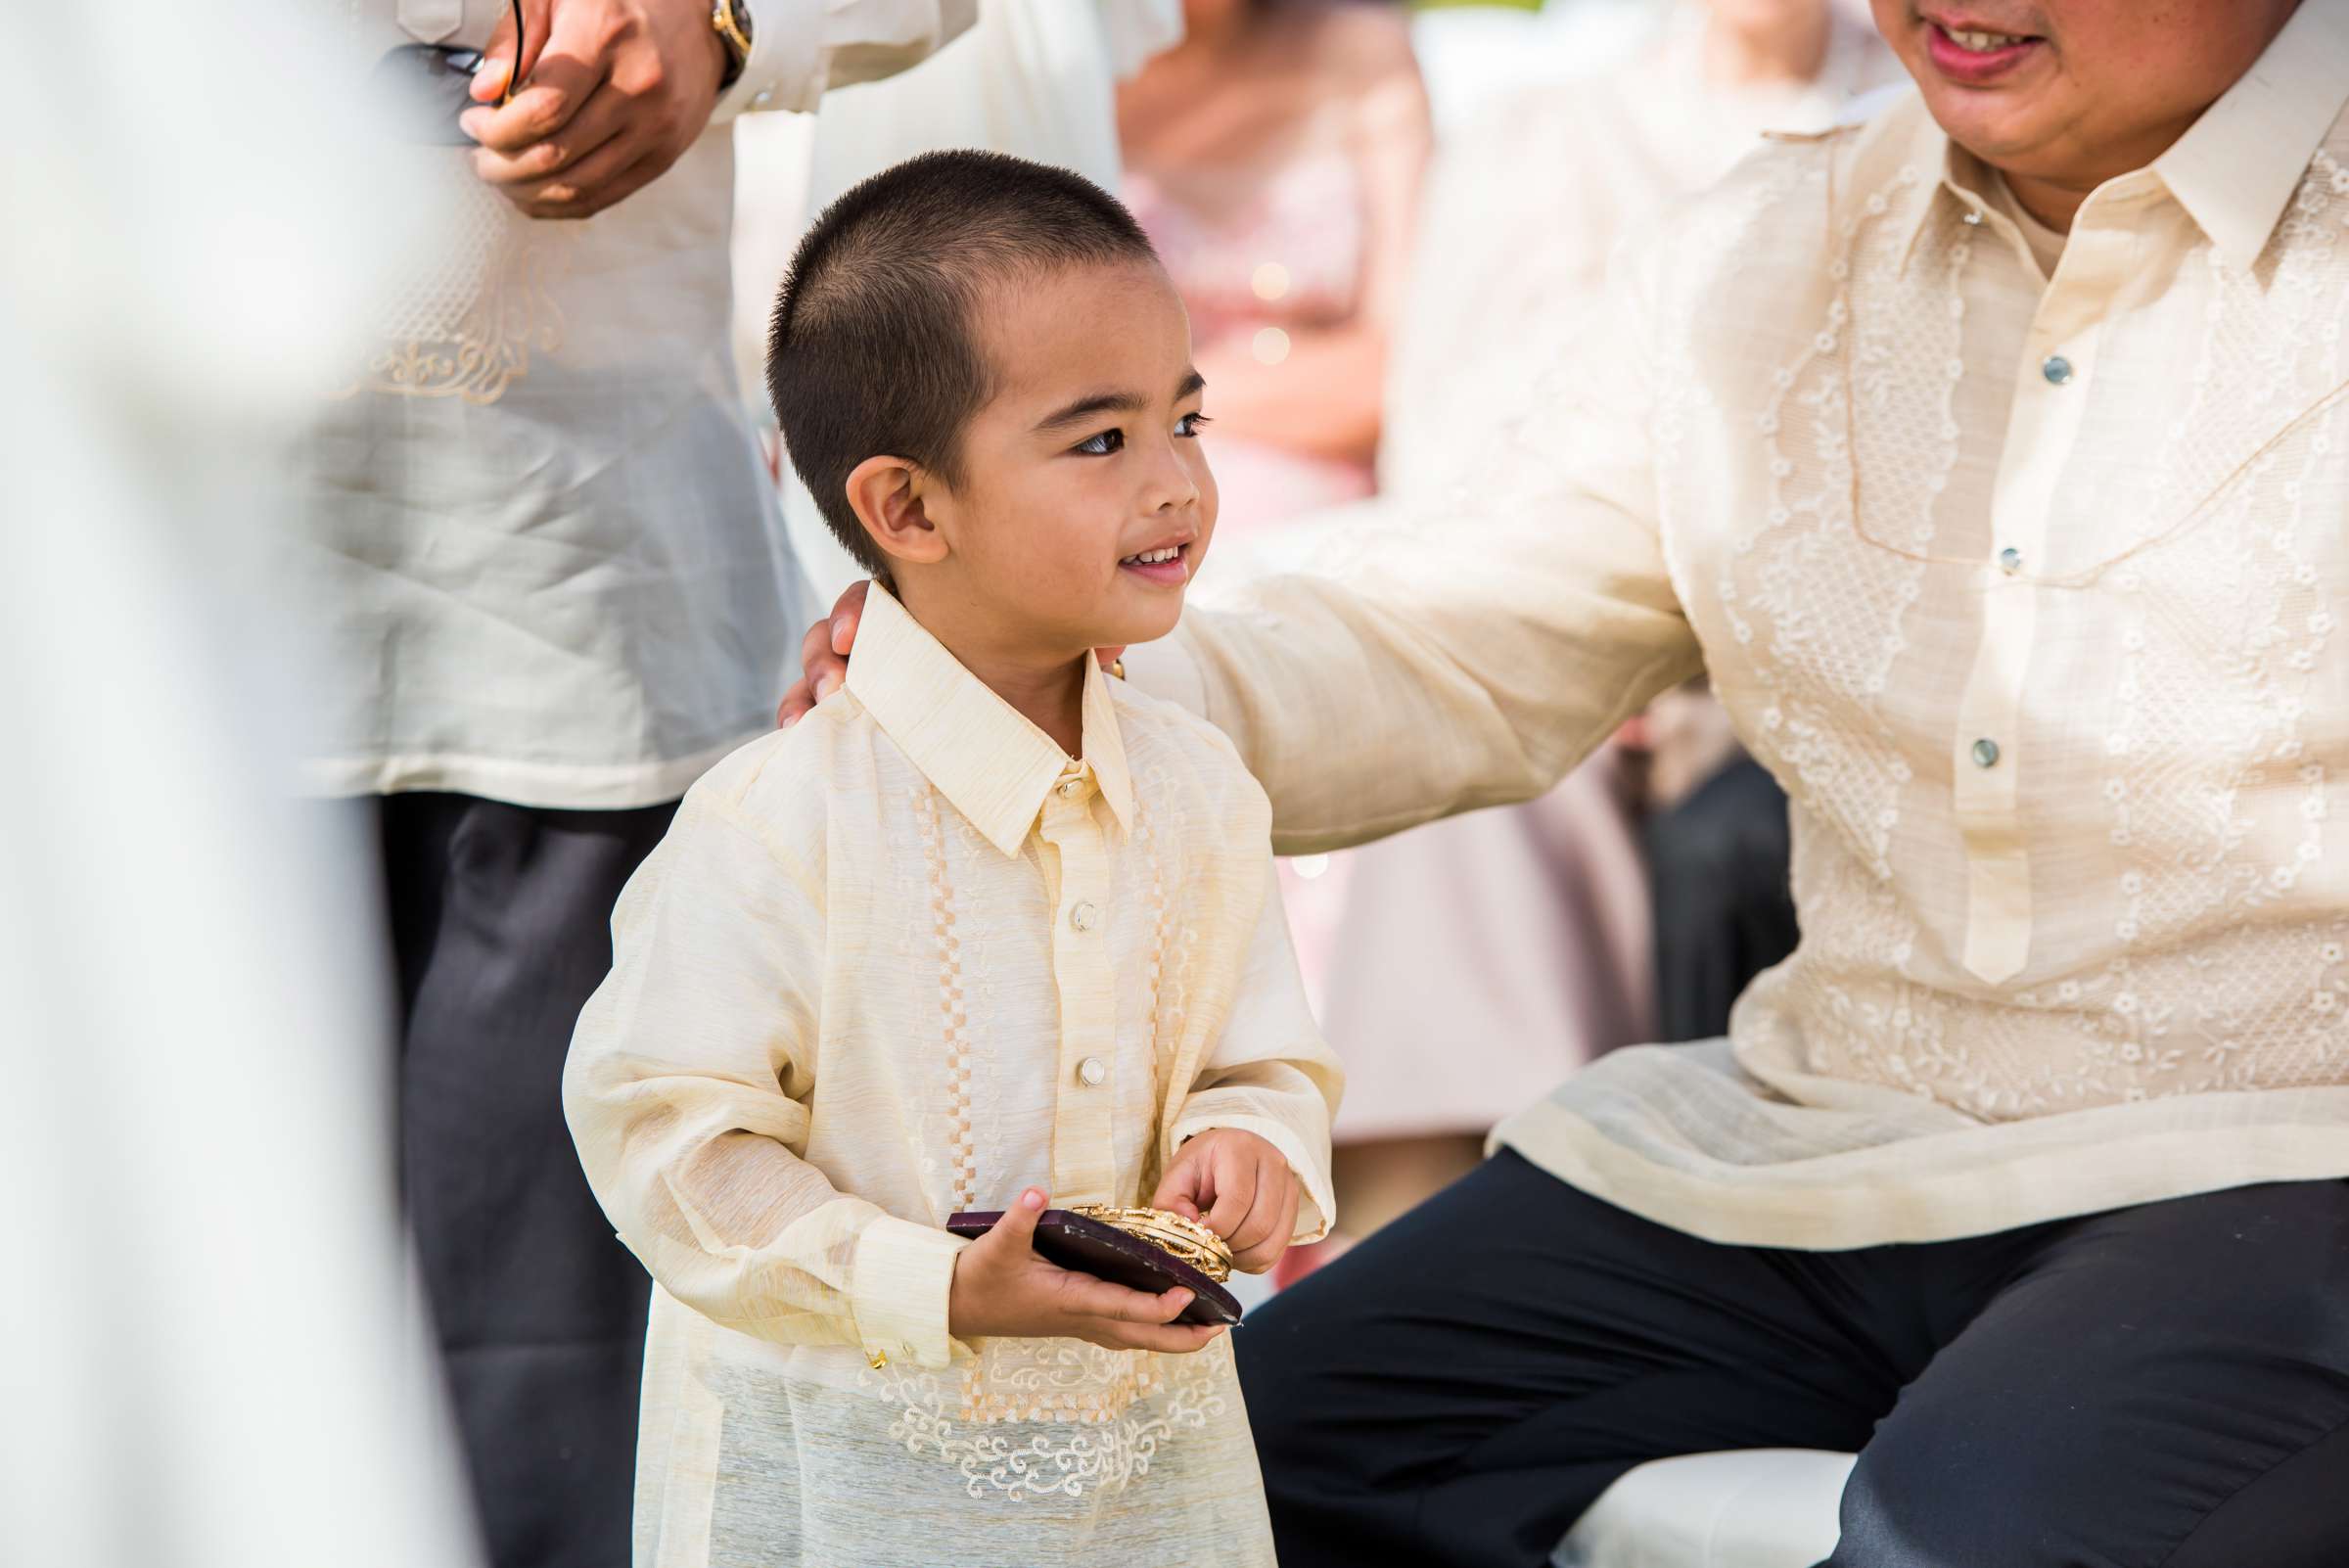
{"x":1469,"y":658}
{"x":802,"y":48}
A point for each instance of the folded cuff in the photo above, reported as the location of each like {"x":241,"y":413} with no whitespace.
{"x":786,"y":64}
{"x":898,"y":1286}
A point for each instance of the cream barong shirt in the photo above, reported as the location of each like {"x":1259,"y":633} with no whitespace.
{"x":2030,"y":592}
{"x":903,"y":959}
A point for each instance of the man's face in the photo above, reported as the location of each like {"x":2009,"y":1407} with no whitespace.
{"x":1087,"y":503}
{"x":2074,"y":92}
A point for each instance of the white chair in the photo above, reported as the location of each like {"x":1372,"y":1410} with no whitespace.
{"x":1752,"y":1508}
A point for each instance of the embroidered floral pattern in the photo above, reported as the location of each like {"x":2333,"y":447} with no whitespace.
{"x":469,"y":314}
{"x":1059,"y":1416}
{"x":2214,"y":568}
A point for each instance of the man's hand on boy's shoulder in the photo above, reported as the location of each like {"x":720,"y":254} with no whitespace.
{"x":1004,"y":1289}
{"x":1240,"y":1187}
{"x":824,"y":657}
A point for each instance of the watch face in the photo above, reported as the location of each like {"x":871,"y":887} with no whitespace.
{"x":742,"y":15}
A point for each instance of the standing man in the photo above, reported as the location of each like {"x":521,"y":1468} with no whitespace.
{"x":1993,"y":457}
{"x":551,"y":575}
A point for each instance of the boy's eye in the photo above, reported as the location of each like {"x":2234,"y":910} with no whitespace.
{"x":1188,"y":424}
{"x":1101,"y":445}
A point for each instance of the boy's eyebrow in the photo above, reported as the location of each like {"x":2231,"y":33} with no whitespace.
{"x":1113,"y":402}
{"x":1085,"y":408}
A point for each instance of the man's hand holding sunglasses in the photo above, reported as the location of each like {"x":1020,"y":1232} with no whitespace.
{"x":612,"y":97}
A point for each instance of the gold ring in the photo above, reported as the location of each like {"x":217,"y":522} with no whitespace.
{"x":1186,"y":1239}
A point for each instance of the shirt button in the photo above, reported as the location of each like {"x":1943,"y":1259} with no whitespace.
{"x":765,"y":96}
{"x":1986,"y":753}
{"x":1972,"y":218}
{"x":1084,"y":917}
{"x":1092,"y":1072}
{"x":1070,"y":787}
{"x":2057,"y":370}
{"x":2010,"y":560}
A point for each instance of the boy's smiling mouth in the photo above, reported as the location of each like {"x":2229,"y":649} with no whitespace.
{"x":1167,"y":564}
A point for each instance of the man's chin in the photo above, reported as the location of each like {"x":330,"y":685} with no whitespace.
{"x":1999,"y":133}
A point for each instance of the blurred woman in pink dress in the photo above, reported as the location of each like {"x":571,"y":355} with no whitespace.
{"x":1275,"y":158}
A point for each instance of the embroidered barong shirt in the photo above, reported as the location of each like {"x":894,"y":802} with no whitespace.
{"x":2030,"y":592}
{"x":544,"y":559}
{"x":903,"y":960}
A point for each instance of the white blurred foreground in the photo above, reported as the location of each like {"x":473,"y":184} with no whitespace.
{"x":208,"y":1356}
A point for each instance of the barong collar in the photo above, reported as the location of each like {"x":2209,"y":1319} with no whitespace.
{"x":990,"y":761}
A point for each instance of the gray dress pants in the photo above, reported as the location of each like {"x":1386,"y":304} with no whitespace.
{"x":500,"y":924}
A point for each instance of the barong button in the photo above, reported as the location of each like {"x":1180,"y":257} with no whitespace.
{"x":1986,"y":753}
{"x":1084,"y":917}
{"x":1972,"y":218}
{"x":2057,"y":370}
{"x":1092,"y":1072}
{"x":1069,"y":789}
{"x":2010,"y":560}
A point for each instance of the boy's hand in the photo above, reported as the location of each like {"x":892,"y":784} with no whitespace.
{"x":1003,"y":1289}
{"x":824,"y":657}
{"x":1241,"y":1188}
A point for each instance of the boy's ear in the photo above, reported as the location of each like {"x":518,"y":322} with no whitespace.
{"x":889,"y":497}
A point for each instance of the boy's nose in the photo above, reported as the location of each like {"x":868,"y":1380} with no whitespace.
{"x":1171,"y":484}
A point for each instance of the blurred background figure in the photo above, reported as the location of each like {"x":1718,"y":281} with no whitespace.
{"x":212,"y":1358}
{"x":1536,"y":187}
{"x":553,"y":588}
{"x":1275,"y":158}
{"x":1718,"y":847}
{"x":1507,"y":271}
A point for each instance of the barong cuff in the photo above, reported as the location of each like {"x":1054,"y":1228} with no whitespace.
{"x":898,"y":1287}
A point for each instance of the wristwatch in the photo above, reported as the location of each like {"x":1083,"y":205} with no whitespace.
{"x":730,"y":20}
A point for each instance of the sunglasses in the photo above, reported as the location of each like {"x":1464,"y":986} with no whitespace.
{"x":420,"y":89}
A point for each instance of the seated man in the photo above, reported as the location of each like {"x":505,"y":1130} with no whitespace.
{"x":1993,"y":458}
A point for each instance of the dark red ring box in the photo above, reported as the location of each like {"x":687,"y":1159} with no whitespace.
{"x":1091,"y":1246}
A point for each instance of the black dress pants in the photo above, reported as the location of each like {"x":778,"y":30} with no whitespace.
{"x":500,"y":919}
{"x":2159,"y":1387}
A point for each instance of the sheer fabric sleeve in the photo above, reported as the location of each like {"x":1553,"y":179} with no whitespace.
{"x":687,"y":1090}
{"x":1270,"y":1073}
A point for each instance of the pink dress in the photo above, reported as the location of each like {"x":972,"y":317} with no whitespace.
{"x":1252,"y":252}
{"x":1256,"y":254}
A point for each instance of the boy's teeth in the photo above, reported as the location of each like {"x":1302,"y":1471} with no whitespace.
{"x":1982,"y":43}
{"x":1153,"y":557}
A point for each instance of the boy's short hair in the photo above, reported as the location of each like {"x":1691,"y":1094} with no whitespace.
{"x":873,"y":346}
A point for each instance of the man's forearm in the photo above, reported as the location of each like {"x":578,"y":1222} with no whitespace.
{"x":1424,"y":684}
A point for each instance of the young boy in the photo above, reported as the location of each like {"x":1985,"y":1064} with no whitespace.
{"x":988,"y":929}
